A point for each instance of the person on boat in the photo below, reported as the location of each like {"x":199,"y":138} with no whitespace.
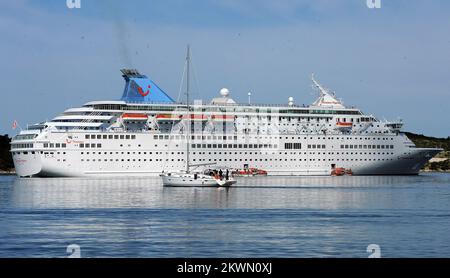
{"x":227,"y":173}
{"x":216,"y":175}
{"x":220,"y":174}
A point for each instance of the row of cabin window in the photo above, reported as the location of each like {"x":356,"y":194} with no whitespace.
{"x":292,"y":159}
{"x":99,"y":160}
{"x":109,"y":136}
{"x":55,"y":145}
{"x":93,"y":145}
{"x":21,"y":146}
{"x":313,"y":146}
{"x":224,"y":137}
{"x":25,"y":136}
{"x":193,"y":137}
{"x":290,"y":146}
{"x":234,"y":146}
{"x":299,"y":153}
{"x":18,"y":153}
{"x":145,"y":153}
{"x":236,"y":153}
{"x":367,"y":146}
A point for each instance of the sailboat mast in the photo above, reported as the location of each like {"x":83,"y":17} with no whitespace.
{"x":188,"y":109}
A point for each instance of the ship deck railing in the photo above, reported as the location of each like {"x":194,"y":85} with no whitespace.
{"x":231,"y":104}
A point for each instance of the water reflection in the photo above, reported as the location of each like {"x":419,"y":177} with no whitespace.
{"x":261,"y":217}
{"x":260,"y":192}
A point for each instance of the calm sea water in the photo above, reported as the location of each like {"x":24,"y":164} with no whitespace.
{"x":260,"y":217}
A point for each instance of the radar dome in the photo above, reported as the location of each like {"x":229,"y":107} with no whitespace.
{"x":224,"y":92}
{"x":290,"y":101}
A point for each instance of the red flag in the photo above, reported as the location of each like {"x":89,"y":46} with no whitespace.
{"x":14,"y":125}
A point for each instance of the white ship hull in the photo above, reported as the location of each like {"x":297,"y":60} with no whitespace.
{"x":147,"y":161}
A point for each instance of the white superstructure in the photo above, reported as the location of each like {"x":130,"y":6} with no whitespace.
{"x":145,"y":134}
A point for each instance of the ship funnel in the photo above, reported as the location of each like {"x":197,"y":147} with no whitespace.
{"x":139,"y":88}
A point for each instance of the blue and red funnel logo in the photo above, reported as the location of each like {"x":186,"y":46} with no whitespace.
{"x":136,"y":88}
{"x":142,"y":93}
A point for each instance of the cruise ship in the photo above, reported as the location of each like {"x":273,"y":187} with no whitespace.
{"x":144,"y":134}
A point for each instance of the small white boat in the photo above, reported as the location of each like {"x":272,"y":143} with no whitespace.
{"x":190,"y":178}
{"x":184,"y":179}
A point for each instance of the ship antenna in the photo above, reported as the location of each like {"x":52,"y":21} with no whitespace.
{"x":188,"y":131}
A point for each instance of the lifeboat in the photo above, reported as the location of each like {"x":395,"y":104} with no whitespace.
{"x":177,"y":117}
{"x":250,"y":172}
{"x":341,"y":172}
{"x":134,"y":117}
{"x":344,"y":126}
{"x":169,"y":117}
{"x":261,"y":172}
{"x":338,"y":172}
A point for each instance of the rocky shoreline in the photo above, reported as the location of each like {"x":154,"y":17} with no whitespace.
{"x":434,"y":171}
{"x":7,"y":173}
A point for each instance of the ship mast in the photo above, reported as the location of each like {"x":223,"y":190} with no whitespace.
{"x":188,"y":57}
{"x":322,"y":90}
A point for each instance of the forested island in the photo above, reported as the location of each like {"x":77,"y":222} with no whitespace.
{"x":6,"y":162}
{"x":441,"y":162}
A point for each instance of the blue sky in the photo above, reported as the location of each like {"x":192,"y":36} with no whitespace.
{"x":391,"y":62}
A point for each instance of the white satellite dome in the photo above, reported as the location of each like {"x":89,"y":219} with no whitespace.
{"x":224,"y":92}
{"x":290,"y":101}
{"x":224,"y":97}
